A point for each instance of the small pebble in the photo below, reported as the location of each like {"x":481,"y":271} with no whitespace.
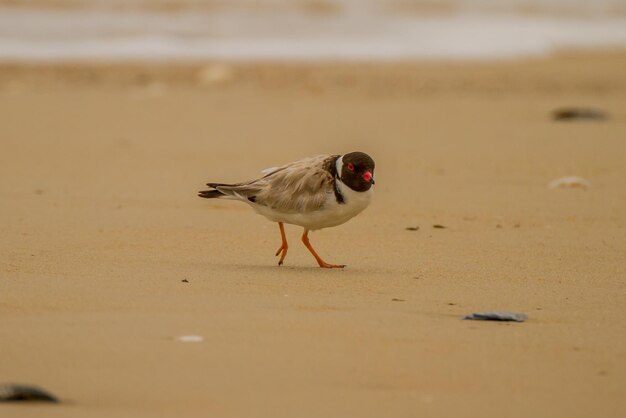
{"x":190,"y":339}
{"x":412,"y":228}
{"x":397,"y":300}
{"x":438,"y":226}
{"x":572,"y":182}
{"x":215,"y":74}
{"x":572,"y":113}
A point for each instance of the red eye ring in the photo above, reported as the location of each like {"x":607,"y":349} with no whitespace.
{"x":350,"y":167}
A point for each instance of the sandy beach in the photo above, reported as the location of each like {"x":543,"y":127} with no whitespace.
{"x":100,"y":225}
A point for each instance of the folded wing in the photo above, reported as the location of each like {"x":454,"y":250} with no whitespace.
{"x":302,"y":186}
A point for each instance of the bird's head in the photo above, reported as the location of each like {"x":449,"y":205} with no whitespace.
{"x":357,"y":171}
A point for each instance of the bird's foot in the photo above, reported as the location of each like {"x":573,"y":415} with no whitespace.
{"x":326,"y":265}
{"x":282,"y":251}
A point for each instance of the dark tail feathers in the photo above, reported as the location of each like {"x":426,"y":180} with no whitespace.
{"x":210,"y":194}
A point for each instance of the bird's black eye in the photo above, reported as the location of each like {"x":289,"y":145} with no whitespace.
{"x":350,"y":166}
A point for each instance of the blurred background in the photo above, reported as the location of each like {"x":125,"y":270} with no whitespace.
{"x":303,"y":29}
{"x":498,"y":128}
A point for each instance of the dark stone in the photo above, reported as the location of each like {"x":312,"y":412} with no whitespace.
{"x":497,"y":316}
{"x":11,"y":392}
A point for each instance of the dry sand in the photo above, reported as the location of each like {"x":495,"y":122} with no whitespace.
{"x":100,"y":224}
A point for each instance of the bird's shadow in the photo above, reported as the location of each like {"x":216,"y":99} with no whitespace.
{"x":289,"y":270}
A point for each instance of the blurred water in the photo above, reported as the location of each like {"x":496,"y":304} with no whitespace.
{"x":304,"y":30}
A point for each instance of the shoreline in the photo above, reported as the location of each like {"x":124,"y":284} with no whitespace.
{"x":575,"y":72}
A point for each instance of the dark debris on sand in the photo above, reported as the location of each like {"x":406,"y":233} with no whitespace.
{"x":572,"y":113}
{"x":12,"y":392}
{"x":497,"y":316}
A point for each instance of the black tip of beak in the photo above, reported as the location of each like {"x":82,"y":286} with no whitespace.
{"x":373,"y":182}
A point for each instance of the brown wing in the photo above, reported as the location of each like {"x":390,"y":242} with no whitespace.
{"x":302,"y":186}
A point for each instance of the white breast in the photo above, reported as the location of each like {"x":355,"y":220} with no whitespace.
{"x":354,"y":203}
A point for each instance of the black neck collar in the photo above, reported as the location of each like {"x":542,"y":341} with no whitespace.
{"x":335,"y":174}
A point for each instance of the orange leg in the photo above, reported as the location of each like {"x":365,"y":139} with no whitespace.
{"x":283,"y":247}
{"x":322,"y":263}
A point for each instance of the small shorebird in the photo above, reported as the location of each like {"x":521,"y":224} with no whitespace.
{"x":314,"y":193}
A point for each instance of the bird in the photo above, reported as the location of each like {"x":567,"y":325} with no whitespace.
{"x":314,"y":193}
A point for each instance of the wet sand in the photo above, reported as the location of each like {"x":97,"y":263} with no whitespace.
{"x":100,"y":225}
